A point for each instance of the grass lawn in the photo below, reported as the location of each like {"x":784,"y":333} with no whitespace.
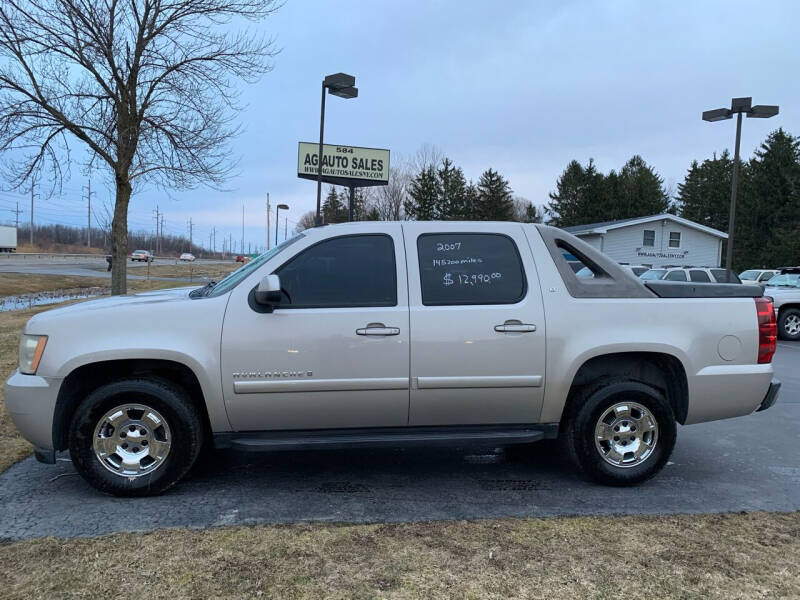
{"x":718,"y":556}
{"x":198,"y":271}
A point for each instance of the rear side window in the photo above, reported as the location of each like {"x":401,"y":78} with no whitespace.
{"x":469,"y":268}
{"x":353,"y":270}
{"x":676,"y":276}
{"x":699,"y":276}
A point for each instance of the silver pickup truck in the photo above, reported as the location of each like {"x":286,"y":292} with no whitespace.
{"x":369,"y":334}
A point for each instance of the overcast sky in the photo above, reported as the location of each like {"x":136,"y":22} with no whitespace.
{"x":522,"y":87}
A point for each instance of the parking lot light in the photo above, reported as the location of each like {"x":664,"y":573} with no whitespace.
{"x":343,"y":86}
{"x":739,"y":106}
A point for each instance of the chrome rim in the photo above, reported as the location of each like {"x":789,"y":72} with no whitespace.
{"x":626,"y":434}
{"x":792,"y":325}
{"x":132,"y":440}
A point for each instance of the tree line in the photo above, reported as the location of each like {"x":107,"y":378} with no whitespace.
{"x":767,"y":208}
{"x":428,"y":187}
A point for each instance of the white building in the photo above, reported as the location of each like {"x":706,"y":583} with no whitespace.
{"x":654,"y":241}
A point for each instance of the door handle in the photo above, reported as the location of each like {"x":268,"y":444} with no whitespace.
{"x":378,"y":329}
{"x":514,"y":326}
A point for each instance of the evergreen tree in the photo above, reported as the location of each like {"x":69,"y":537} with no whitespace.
{"x":568,"y":204}
{"x":768,"y":210}
{"x":452,"y":188}
{"x":640,"y":191}
{"x":705,"y":194}
{"x":334,"y":208}
{"x":424,"y":196}
{"x":494,"y":201}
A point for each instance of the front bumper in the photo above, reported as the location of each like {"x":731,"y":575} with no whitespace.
{"x":771,"y":397}
{"x":31,"y":402}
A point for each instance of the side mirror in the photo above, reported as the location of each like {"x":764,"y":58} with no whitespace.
{"x":268,"y":292}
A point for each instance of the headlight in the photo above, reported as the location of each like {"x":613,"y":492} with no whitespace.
{"x":31,"y":348}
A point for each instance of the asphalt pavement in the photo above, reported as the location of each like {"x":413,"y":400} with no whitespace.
{"x":745,"y":464}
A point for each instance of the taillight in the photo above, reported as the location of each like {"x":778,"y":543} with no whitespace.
{"x":767,"y":330}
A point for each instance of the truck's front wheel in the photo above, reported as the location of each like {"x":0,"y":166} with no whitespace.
{"x":135,"y":437}
{"x":622,"y":432}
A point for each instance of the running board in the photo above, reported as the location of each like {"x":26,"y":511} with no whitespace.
{"x":270,"y":441}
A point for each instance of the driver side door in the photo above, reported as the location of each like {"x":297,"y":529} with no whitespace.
{"x":335,"y":352}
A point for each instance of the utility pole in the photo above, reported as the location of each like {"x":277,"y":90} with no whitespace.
{"x":89,"y":214}
{"x":190,"y":234}
{"x":32,"y":185}
{"x":230,"y":243}
{"x":242,"y":246}
{"x":17,"y":211}
{"x":161,"y":237}
{"x":89,"y":209}
{"x":285,"y":227}
{"x":158,"y":222}
{"x":267,"y":220}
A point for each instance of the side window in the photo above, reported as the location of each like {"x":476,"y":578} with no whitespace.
{"x":699,"y":276}
{"x":767,"y":275}
{"x":469,"y":268}
{"x":355,"y":270}
{"x":676,"y":276}
{"x":721,"y":275}
{"x":674,"y":239}
{"x":649,"y":238}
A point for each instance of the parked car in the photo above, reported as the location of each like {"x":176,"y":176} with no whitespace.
{"x":187,"y":256}
{"x":784,"y":289}
{"x":383,"y":334}
{"x":141,"y":256}
{"x":757,"y":276}
{"x":692,"y":274}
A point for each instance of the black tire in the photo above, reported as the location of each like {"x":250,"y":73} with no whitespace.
{"x":173,"y":404}
{"x":588,"y":407}
{"x":784,"y":315}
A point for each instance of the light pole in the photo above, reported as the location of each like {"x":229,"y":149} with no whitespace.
{"x":342,"y":85}
{"x":738,"y":106}
{"x":277,"y":223}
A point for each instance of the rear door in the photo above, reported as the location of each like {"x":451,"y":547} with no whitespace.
{"x":477,"y":324}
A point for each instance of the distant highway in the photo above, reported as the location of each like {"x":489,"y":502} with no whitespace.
{"x":83,"y":265}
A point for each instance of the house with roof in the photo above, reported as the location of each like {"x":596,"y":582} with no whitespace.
{"x":654,"y":241}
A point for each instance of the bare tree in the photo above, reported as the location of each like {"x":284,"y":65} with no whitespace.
{"x":525,"y":211}
{"x":388,"y":200}
{"x":307,"y":221}
{"x":426,"y":156}
{"x":144,"y":85}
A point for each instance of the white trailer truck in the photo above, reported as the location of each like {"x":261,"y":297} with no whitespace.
{"x":8,"y":239}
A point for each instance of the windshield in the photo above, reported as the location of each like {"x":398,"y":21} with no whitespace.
{"x":749,"y":274}
{"x":653,"y":274}
{"x":785,"y":280}
{"x":232,"y":280}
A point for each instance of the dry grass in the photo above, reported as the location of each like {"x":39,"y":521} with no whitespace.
{"x":197,"y":271}
{"x":717,"y":556}
{"x":12,"y":446}
{"x":24,"y":283}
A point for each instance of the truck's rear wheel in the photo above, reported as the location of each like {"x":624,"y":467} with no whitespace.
{"x":135,"y":437}
{"x":622,"y":432}
{"x":789,"y":324}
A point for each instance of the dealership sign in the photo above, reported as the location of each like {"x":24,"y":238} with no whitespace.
{"x":344,"y":165}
